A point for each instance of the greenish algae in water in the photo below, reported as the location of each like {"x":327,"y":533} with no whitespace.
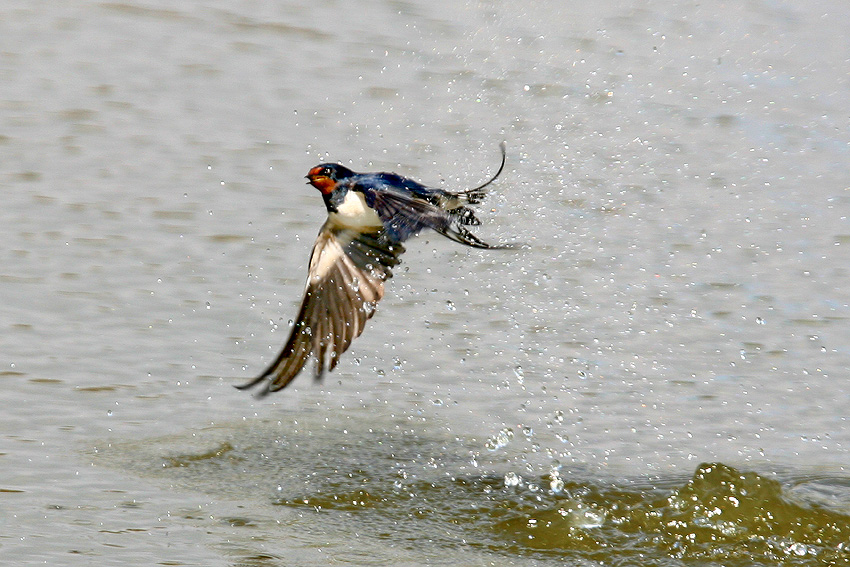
{"x":414,"y":492}
{"x":720,"y":516}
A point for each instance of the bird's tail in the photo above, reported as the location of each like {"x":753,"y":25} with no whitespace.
{"x":476,"y":195}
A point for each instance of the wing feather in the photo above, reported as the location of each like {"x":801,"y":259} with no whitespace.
{"x":405,"y":215}
{"x":345,"y":282}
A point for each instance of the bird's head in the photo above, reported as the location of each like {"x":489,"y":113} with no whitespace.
{"x":324,"y":177}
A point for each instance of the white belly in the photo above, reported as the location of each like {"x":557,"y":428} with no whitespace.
{"x":354,"y":213}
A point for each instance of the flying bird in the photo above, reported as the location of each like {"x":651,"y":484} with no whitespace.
{"x":369,"y":216}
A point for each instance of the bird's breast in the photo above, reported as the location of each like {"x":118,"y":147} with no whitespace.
{"x":353,"y":212}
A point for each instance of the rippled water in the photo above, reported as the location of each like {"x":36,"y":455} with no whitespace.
{"x":385,"y":490}
{"x":659,"y":379}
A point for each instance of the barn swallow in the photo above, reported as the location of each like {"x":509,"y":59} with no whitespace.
{"x":369,"y":216}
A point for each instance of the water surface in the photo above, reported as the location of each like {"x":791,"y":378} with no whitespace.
{"x":660,"y":378}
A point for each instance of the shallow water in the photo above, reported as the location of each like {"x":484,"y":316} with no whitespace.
{"x":660,"y":378}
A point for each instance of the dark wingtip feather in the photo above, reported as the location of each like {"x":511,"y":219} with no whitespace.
{"x":259,"y":394}
{"x":253,"y":382}
{"x":463,"y":236}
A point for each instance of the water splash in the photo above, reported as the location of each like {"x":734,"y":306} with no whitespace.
{"x":424,"y":492}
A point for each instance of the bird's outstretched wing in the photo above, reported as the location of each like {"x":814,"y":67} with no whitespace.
{"x":345,"y":283}
{"x":405,"y":215}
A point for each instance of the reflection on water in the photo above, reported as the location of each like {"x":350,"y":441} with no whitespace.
{"x":399,"y":486}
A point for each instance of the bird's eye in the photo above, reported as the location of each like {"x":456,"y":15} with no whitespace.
{"x":326,"y":171}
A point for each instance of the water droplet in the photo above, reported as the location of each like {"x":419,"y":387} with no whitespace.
{"x":520,"y":375}
{"x":501,"y":439}
{"x":556,"y":484}
{"x":512,"y":479}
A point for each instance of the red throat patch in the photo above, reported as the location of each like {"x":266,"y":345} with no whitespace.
{"x":322,"y":183}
